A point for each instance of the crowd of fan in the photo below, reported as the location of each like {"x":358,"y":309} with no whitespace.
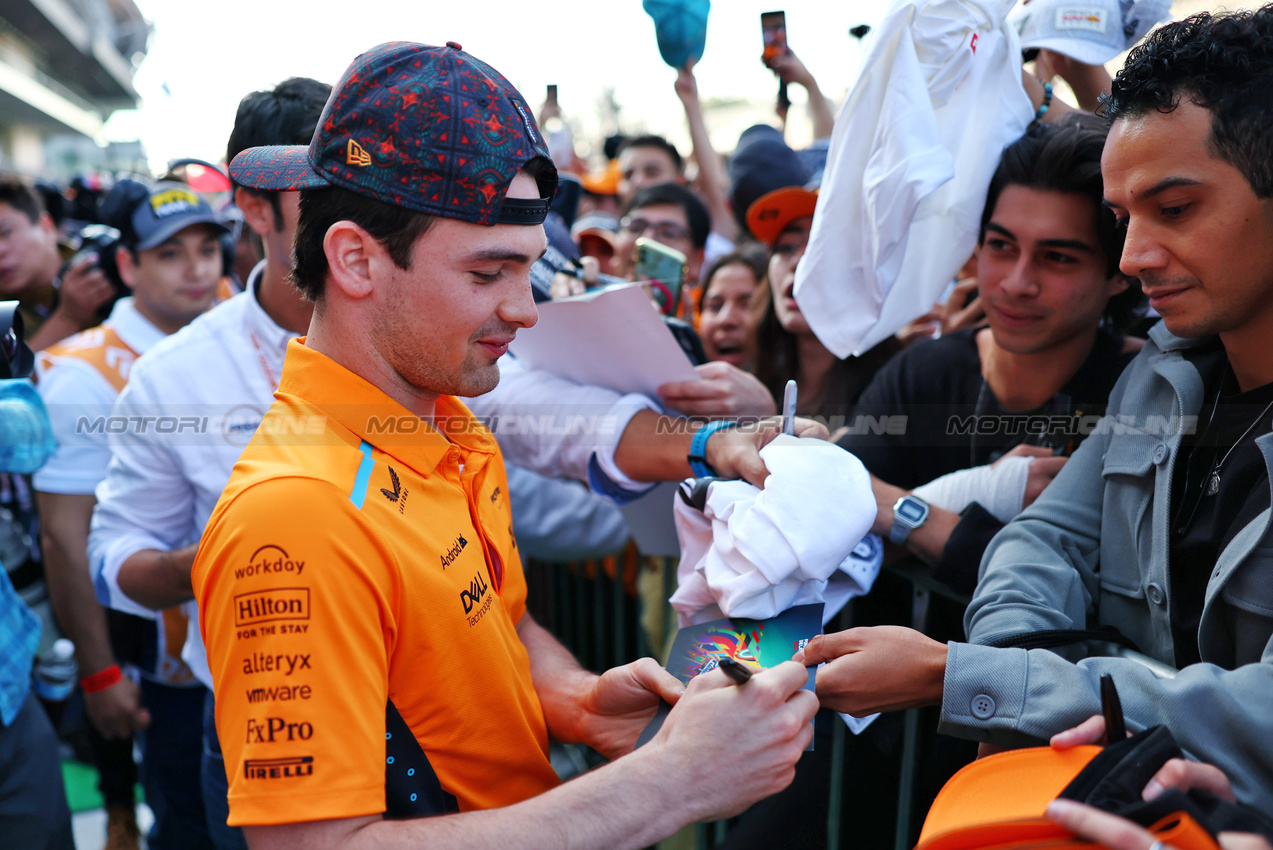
{"x":1041,"y":323}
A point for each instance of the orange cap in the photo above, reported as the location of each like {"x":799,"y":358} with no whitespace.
{"x":769,"y":215}
{"x":997,"y":792}
{"x":605,"y":183}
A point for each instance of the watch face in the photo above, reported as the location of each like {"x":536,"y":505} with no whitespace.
{"x":910,"y":510}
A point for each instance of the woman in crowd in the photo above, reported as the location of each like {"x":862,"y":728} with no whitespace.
{"x":727,"y":319}
{"x":786,"y":347}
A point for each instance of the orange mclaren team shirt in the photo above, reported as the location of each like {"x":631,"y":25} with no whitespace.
{"x":359,"y":589}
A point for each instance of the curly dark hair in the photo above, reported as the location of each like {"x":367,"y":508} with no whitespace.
{"x":1221,"y":62}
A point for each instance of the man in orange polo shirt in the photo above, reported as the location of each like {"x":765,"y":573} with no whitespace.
{"x":363,"y":599}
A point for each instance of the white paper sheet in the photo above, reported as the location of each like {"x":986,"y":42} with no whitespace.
{"x":612,"y":338}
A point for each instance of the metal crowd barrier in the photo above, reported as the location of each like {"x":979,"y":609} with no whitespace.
{"x":593,"y":608}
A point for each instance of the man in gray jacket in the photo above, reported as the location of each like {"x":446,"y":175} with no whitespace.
{"x":1159,"y":524}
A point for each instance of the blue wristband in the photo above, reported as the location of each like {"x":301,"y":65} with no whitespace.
{"x":698,"y":448}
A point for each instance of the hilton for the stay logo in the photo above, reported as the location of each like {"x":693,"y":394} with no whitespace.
{"x":264,"y":606}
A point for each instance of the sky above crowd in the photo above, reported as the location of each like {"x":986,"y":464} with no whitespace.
{"x":204,"y":57}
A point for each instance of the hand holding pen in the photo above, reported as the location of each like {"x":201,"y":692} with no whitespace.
{"x":737,"y":671}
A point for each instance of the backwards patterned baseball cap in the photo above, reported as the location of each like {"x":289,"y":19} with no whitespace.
{"x":431,"y":129}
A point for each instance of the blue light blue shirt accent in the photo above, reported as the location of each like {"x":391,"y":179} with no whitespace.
{"x":19,"y":635}
{"x":359,"y":494}
{"x":604,"y":485}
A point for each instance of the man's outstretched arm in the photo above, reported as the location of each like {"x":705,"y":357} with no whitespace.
{"x":655,"y":447}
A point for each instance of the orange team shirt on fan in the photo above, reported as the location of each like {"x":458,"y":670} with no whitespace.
{"x":359,"y":589}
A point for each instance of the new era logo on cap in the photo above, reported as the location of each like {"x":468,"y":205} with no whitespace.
{"x":355,"y":155}
{"x":431,"y":129}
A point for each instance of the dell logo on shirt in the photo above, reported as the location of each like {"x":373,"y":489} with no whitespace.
{"x":472,"y":596}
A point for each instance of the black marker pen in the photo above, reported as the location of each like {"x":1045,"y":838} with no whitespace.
{"x":740,"y":673}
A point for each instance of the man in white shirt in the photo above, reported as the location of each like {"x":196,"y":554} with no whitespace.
{"x":170,"y":257}
{"x":220,"y":374}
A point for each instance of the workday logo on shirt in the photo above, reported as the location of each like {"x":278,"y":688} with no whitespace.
{"x":270,"y":559}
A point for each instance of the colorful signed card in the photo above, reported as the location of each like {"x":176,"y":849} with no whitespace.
{"x":756,"y":643}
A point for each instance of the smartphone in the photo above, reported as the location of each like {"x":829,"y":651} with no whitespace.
{"x":552,"y":93}
{"x":687,"y":338}
{"x":662,"y":269}
{"x":773,"y":30}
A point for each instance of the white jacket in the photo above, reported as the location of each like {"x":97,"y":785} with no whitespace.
{"x":937,"y":99}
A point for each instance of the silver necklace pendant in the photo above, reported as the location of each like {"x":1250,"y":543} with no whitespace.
{"x":1213,"y":484}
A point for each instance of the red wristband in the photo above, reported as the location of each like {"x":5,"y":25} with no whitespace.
{"x":105,"y":678}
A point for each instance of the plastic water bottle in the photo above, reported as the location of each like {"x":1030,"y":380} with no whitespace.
{"x":26,"y":436}
{"x":56,"y":672}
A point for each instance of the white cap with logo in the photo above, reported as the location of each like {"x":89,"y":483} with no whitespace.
{"x":1091,"y":31}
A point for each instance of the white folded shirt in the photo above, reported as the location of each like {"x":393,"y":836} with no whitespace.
{"x":755,"y":553}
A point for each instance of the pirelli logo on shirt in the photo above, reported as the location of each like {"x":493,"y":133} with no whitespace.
{"x":285,"y":768}
{"x":265,"y":606}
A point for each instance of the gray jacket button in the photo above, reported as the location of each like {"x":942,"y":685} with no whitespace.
{"x":1160,"y":453}
{"x":1155,"y":593}
{"x":983,"y":707}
